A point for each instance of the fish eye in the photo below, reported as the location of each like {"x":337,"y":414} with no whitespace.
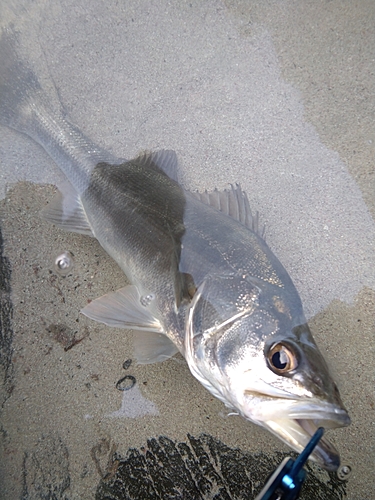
{"x":281,"y":359}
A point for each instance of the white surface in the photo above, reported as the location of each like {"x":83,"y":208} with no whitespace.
{"x":173,"y":76}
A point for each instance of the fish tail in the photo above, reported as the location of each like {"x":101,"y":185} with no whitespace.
{"x":19,"y":86}
{"x":24,"y":106}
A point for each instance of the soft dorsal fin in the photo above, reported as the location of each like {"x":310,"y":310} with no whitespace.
{"x":234,"y":203}
{"x":66,"y":211}
{"x":164,"y":159}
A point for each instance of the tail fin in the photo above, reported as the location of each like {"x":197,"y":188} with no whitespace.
{"x":25,"y":107}
{"x":19,"y":86}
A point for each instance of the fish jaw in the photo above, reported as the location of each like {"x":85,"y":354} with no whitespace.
{"x":297,"y":433}
{"x":298,"y":421}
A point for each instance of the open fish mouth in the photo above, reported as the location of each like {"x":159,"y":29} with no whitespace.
{"x":298,"y":432}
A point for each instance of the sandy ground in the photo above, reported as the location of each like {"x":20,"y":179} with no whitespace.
{"x":277,"y":95}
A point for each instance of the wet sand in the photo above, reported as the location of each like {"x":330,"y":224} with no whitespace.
{"x":278,"y":97}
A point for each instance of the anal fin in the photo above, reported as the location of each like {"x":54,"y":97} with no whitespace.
{"x":66,"y":211}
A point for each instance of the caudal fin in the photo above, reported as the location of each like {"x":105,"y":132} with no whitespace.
{"x":19,"y":87}
{"x":27,"y":108}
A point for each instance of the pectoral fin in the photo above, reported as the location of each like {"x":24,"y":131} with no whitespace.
{"x":123,"y":309}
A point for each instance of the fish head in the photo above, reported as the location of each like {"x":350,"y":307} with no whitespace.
{"x":253,"y":350}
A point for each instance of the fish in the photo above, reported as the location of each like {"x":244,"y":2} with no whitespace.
{"x":203,"y":281}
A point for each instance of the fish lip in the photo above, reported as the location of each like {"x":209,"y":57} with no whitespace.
{"x":291,"y":408}
{"x":326,"y":415}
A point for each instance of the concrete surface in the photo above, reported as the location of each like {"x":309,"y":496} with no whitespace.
{"x":277,"y":95}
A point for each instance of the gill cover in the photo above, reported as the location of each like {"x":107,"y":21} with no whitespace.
{"x":220,"y":301}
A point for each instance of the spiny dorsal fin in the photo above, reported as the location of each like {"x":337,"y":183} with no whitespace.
{"x":234,"y":203}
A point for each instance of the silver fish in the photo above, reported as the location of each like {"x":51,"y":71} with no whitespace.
{"x":204,"y":282}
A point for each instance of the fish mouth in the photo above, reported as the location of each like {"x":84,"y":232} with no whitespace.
{"x":297,"y":432}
